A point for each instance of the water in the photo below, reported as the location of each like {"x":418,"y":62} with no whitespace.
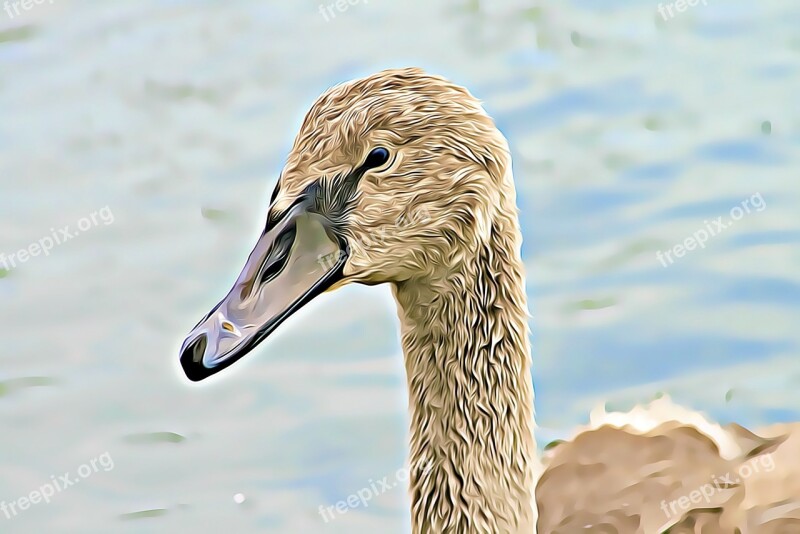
{"x":628,"y":133}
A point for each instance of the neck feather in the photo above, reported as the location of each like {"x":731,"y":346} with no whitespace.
{"x":465,"y":339}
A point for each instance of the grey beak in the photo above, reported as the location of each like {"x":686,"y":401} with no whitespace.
{"x":296,"y":259}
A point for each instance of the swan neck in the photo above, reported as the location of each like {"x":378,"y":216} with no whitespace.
{"x":467,"y":357}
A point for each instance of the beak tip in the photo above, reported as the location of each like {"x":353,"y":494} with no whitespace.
{"x":192,"y":359}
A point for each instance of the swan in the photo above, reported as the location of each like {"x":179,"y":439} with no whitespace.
{"x":402,"y":178}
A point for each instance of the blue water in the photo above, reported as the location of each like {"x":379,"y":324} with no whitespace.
{"x":629,"y":133}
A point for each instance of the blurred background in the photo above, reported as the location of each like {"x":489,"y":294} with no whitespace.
{"x":632,"y":124}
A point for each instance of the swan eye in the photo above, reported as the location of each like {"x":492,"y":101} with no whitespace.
{"x":376,"y":158}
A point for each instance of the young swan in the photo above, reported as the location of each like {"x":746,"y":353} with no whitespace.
{"x":402,"y":178}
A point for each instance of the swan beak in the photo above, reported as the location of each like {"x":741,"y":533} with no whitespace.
{"x":295,"y":260}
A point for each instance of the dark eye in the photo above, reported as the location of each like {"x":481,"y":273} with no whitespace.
{"x":376,"y":158}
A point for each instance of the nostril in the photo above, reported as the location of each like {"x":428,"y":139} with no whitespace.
{"x":192,"y":359}
{"x":197,"y":348}
{"x":278,"y":255}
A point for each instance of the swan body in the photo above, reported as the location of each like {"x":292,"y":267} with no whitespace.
{"x":402,"y":178}
{"x":663,"y":468}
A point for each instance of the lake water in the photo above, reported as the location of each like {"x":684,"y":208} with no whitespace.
{"x":630,"y":133}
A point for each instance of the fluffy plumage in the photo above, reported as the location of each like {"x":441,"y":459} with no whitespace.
{"x":439,"y":223}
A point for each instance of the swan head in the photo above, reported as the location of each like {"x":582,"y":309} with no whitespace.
{"x":391,"y":178}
